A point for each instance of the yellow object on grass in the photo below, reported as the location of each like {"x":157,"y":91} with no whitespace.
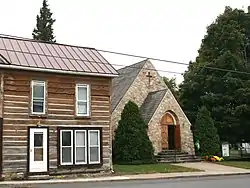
{"x":218,"y":158}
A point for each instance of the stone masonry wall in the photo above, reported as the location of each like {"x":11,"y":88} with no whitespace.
{"x":138,"y":91}
{"x":169,"y":103}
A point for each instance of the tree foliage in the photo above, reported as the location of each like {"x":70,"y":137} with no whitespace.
{"x":172,"y":85}
{"x":44,"y":26}
{"x":132,"y":144}
{"x":226,"y":94}
{"x":206,"y":133}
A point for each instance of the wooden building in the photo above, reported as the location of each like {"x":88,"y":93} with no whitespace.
{"x":54,"y":108}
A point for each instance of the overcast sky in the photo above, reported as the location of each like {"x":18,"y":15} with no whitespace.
{"x":164,"y":29}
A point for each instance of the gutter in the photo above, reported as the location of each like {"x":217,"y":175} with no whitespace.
{"x":56,"y":71}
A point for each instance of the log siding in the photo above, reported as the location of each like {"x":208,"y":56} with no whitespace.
{"x":15,"y":109}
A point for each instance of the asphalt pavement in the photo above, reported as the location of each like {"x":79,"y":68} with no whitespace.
{"x":242,"y":181}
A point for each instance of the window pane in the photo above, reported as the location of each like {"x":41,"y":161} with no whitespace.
{"x":82,"y":93}
{"x":80,"y":155}
{"x":38,"y":106}
{"x":38,"y":139}
{"x":38,"y":154}
{"x":93,"y":138}
{"x":80,"y":138}
{"x":94,"y":154}
{"x":66,"y":155}
{"x":82,"y":108}
{"x":66,"y":138}
{"x":38,"y":91}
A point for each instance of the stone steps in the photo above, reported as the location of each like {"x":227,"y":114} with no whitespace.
{"x":179,"y":160}
{"x":176,"y":156}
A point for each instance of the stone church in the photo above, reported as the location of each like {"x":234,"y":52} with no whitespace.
{"x":168,"y":126}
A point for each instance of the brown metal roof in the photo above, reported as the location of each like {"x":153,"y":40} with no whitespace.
{"x":51,"y":56}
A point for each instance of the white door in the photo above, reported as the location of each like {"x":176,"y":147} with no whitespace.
{"x":38,"y":150}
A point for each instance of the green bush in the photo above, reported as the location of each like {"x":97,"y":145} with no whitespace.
{"x":206,"y":133}
{"x":131,"y":144}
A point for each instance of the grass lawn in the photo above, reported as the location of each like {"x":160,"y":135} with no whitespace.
{"x":150,"y":168}
{"x":239,"y":164}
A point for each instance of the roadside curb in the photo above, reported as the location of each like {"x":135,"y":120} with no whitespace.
{"x":122,"y":178}
{"x":193,"y":176}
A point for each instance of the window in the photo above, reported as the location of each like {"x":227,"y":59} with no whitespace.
{"x":38,"y":97}
{"x":76,"y":149}
{"x":80,"y":147}
{"x":82,"y":100}
{"x":66,"y":147}
{"x":94,"y":146}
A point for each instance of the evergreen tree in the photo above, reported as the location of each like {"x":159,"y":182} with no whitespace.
{"x":226,"y":94}
{"x":206,"y":133}
{"x":132,"y":144}
{"x":44,"y":25}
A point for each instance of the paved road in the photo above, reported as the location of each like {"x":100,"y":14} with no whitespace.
{"x":218,"y":182}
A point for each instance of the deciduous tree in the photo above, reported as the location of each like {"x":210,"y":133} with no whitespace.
{"x":216,"y":80}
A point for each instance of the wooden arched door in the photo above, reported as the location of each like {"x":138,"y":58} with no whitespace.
{"x":170,"y":131}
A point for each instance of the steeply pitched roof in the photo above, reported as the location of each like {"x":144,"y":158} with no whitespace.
{"x":151,"y":104}
{"x":26,"y":53}
{"x":122,"y":83}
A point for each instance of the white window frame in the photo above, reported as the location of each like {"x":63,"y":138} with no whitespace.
{"x":85,"y":147}
{"x":39,"y":83}
{"x":87,"y":101}
{"x":99,"y":147}
{"x":61,"y":148}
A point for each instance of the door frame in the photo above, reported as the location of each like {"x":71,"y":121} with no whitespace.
{"x":28,"y":151}
{"x":174,"y":122}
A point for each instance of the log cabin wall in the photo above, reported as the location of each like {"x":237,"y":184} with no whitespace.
{"x":60,"y":113}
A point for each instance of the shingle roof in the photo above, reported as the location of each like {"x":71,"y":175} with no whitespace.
{"x":151,"y":104}
{"x":52,"y":56}
{"x":122,"y":83}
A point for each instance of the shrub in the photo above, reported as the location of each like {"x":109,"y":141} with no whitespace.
{"x":206,"y":133}
{"x":131,"y":143}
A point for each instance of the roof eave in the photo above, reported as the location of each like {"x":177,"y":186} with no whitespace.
{"x":57,"y":71}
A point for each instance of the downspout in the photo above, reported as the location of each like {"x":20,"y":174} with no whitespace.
{"x":1,"y":95}
{"x":110,"y":129}
{"x":1,"y":123}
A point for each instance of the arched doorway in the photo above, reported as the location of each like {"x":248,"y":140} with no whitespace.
{"x":170,"y":131}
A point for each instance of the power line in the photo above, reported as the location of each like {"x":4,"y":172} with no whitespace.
{"x":196,"y":75}
{"x":152,"y":58}
{"x":131,"y":66}
{"x":144,"y":57}
{"x":174,"y":62}
{"x":13,"y":36}
{"x":172,"y":72}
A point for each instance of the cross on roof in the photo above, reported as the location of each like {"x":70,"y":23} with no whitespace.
{"x":149,"y":77}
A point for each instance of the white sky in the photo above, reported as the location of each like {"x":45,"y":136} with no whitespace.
{"x":163,"y":29}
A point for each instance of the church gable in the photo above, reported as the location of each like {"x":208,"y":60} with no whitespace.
{"x":169,"y":104}
{"x":123,"y":82}
{"x":134,"y":83}
{"x":140,"y":75}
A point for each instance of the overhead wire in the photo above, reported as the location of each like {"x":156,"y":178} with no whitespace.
{"x":196,"y":75}
{"x":152,"y":58}
{"x":133,"y":66}
{"x":173,"y":62}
